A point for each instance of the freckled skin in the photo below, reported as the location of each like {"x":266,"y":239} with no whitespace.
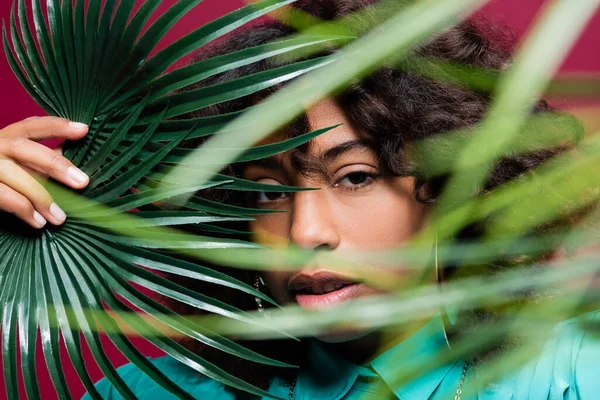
{"x":380,"y":213}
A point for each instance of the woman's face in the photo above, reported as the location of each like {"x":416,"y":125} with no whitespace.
{"x":355,"y":209}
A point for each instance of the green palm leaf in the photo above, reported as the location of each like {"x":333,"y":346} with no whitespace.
{"x":90,"y":64}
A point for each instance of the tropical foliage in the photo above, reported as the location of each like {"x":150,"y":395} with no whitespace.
{"x":92,"y":69}
{"x":75,"y":281}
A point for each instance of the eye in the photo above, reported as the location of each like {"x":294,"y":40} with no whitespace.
{"x":263,"y":198}
{"x":356,"y":179}
{"x":269,"y":196}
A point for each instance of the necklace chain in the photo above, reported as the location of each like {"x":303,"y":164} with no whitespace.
{"x":462,"y":380}
{"x":458,"y":391}
{"x":291,"y":393}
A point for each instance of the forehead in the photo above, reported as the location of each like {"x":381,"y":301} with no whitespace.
{"x":325,"y":113}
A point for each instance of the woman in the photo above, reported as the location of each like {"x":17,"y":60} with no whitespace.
{"x":373,"y":195}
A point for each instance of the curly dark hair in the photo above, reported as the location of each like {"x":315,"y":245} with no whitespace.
{"x":393,"y":107}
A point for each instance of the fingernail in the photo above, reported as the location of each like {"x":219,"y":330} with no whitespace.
{"x":41,"y":221}
{"x":57,"y":213}
{"x":78,"y":126}
{"x":77,"y":175}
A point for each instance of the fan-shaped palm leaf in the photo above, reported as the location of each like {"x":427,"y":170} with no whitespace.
{"x":90,"y":64}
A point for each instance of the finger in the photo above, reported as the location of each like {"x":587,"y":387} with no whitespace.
{"x":37,"y":175}
{"x":43,"y":160}
{"x":44,"y":128}
{"x":17,"y":204}
{"x":20,"y":181}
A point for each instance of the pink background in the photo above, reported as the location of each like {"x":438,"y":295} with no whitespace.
{"x":16,"y":105}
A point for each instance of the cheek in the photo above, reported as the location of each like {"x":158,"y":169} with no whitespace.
{"x":276,"y":281}
{"x":271,"y":229}
{"x":385,"y":218}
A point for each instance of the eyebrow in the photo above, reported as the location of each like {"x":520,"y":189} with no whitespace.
{"x":267,"y":163}
{"x":328,"y":156}
{"x":343,"y":148}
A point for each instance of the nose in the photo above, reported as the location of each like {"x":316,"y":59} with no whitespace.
{"x":313,"y":221}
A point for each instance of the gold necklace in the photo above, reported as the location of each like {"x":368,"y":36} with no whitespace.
{"x":291,"y":394}
{"x":456,"y":397}
{"x":462,"y":380}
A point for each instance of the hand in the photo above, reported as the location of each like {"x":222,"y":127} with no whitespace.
{"x":20,"y":154}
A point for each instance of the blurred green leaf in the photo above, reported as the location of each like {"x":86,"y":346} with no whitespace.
{"x":94,"y":67}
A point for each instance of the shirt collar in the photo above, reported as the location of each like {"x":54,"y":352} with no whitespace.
{"x":413,"y":354}
{"x":330,"y":376}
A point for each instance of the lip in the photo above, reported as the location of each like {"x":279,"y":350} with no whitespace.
{"x":327,"y":300}
{"x":314,"y":301}
{"x":303,"y":280}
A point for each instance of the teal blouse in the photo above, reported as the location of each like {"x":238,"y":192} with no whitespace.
{"x":567,"y":368}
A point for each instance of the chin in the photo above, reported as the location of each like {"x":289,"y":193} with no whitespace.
{"x":343,"y":336}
